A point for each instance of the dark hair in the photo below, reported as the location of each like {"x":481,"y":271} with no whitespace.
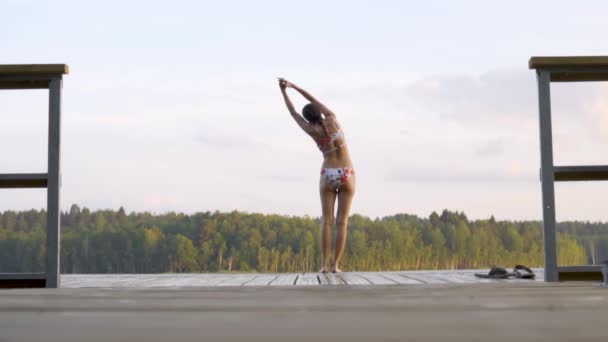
{"x":311,"y":113}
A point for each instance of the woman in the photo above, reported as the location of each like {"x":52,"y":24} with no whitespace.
{"x":337,"y":173}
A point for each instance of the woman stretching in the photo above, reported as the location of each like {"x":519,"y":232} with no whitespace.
{"x":337,"y":173}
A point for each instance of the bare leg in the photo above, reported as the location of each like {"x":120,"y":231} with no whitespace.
{"x":345,"y":198}
{"x":328,"y":198}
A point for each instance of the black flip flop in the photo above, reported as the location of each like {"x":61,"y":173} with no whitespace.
{"x":523,"y":272}
{"x":496,"y":272}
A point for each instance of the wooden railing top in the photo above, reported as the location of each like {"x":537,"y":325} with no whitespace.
{"x":568,"y":62}
{"x":33,"y":69}
{"x":30,"y":76}
{"x":572,"y":69}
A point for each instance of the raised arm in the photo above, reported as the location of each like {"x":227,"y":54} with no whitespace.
{"x":305,"y":125}
{"x":324,"y":110}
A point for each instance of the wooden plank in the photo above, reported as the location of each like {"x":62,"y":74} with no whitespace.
{"x":22,"y":276}
{"x":307,"y":279}
{"x":470,"y":278}
{"x":547,"y":175}
{"x":377,"y":279}
{"x":540,"y":276}
{"x":261,"y":280}
{"x":22,"y":283}
{"x":129,"y":280}
{"x":149,"y":280}
{"x":33,"y":69}
{"x":237,"y":280}
{"x":157,"y":280}
{"x":70,"y":281}
{"x":452,"y":278}
{"x":23,"y":180}
{"x":22,"y":280}
{"x":171,"y":280}
{"x":207,"y":279}
{"x":286,"y":279}
{"x":26,"y":84}
{"x":427,"y":278}
{"x":97,"y":280}
{"x":53,"y":202}
{"x":166,"y":280}
{"x":353,"y":279}
{"x":572,"y":69}
{"x":544,"y":313}
{"x":110,"y":280}
{"x":399,"y":279}
{"x":569,"y":76}
{"x":330,"y":279}
{"x":135,"y":280}
{"x":580,"y":273}
{"x":581,"y":173}
{"x":568,"y":62}
{"x":75,"y":280}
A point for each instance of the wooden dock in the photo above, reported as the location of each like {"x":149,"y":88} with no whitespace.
{"x":283,"y":279}
{"x":449,"y":311}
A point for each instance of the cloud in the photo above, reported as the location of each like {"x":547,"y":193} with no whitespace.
{"x":593,"y":112}
{"x":491,"y":148}
{"x":502,"y":94}
{"x":286,"y":175}
{"x":457,"y":174}
{"x":226,"y":141}
{"x":505,"y":99}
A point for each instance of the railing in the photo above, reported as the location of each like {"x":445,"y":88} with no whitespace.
{"x":563,"y":69}
{"x":40,"y":76}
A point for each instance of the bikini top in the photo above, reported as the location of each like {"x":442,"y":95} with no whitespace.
{"x":326,"y":142}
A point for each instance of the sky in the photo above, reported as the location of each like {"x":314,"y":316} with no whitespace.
{"x":174,"y":105}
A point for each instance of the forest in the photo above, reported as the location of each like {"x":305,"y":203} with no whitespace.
{"x":114,"y":241}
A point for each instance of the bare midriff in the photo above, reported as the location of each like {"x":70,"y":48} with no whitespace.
{"x":339,"y":157}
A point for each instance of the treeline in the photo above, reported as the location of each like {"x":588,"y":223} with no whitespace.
{"x":108,"y":241}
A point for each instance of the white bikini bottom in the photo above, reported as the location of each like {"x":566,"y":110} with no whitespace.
{"x":336,"y":176}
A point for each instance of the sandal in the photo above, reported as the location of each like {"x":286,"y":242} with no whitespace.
{"x":496,"y":272}
{"x":523,"y":272}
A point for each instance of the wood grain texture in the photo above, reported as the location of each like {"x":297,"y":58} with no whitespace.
{"x":377,"y":278}
{"x":353,"y":279}
{"x":504,"y":312}
{"x":29,"y":84}
{"x":400,"y":279}
{"x":286,"y":279}
{"x":237,"y":280}
{"x":330,"y":279}
{"x":307,"y":279}
{"x":427,"y":278}
{"x":184,"y":280}
{"x":33,"y":69}
{"x":261,"y":280}
{"x":23,"y":180}
{"x":572,"y":69}
{"x":568,"y":62}
{"x":579,"y":76}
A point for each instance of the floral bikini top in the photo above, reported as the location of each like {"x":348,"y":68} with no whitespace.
{"x":325,"y":143}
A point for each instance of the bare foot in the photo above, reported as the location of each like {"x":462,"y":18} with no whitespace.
{"x":324,"y":269}
{"x":336,"y":270}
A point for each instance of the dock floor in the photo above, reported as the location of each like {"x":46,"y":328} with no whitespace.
{"x":283,"y":279}
{"x":497,"y":311}
{"x":534,"y":311}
